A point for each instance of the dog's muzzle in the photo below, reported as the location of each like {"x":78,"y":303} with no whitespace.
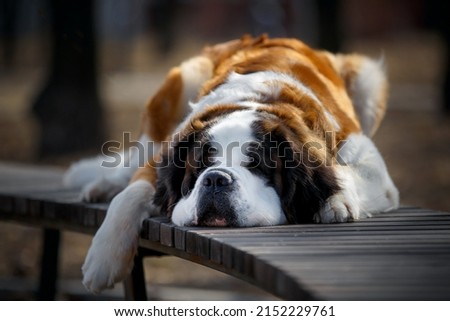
{"x":215,"y":205}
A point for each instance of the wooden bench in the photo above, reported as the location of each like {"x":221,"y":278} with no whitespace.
{"x":401,"y":255}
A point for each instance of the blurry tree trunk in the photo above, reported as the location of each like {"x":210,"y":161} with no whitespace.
{"x":8,"y":23}
{"x":161,"y":16}
{"x":330,"y":35}
{"x":68,"y":107}
{"x":437,"y":16}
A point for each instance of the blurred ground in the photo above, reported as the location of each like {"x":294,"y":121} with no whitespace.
{"x":414,"y":140}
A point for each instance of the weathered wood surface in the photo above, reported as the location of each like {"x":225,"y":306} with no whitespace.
{"x":401,"y":255}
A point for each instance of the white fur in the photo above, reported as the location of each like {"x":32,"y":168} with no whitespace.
{"x":365,"y":92}
{"x":194,"y":73}
{"x":344,"y":206}
{"x":110,"y":257}
{"x":375,"y":188}
{"x":366,"y":185}
{"x":251,"y":87}
{"x":85,"y":171}
{"x":231,"y":134}
{"x":105,"y":182}
{"x":248,"y":90}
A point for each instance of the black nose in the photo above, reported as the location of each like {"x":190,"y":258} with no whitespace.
{"x":217,"y":179}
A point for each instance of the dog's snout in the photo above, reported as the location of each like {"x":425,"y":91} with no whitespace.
{"x":217,"y":179}
{"x":215,"y":206}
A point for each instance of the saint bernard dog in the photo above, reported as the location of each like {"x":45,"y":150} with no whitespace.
{"x":251,"y":132}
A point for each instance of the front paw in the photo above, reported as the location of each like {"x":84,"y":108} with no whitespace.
{"x":110,"y":257}
{"x":102,"y":190}
{"x":339,"y":208}
{"x":109,"y":260}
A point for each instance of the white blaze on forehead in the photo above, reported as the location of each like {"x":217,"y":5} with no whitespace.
{"x":254,"y":87}
{"x":231,"y":135}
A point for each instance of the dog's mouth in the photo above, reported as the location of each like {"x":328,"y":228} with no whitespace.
{"x":214,"y":221}
{"x":215,"y":212}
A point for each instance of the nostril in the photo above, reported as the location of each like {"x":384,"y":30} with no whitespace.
{"x":221,"y":182}
{"x":207,"y":181}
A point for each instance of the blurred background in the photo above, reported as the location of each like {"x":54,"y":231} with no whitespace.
{"x":74,"y":74}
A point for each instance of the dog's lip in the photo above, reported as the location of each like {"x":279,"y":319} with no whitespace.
{"x":217,"y":222}
{"x":213,"y":222}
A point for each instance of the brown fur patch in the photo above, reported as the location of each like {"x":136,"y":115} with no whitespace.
{"x":147,"y":173}
{"x":291,"y":57}
{"x":164,"y":110}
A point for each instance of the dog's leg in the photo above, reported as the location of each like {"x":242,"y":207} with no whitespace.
{"x":108,"y":184}
{"x":366,"y":187}
{"x":110,"y":257}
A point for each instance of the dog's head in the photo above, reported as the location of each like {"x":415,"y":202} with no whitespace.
{"x":255,"y":151}
{"x":240,"y":167}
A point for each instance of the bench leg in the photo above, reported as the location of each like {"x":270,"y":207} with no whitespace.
{"x":49,"y":265}
{"x":134,"y":285}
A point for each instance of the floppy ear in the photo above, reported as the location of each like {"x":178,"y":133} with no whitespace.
{"x":366,"y":84}
{"x":306,"y":191}
{"x":307,"y":179}
{"x":171,"y":171}
{"x":176,"y":170}
{"x":169,"y":176}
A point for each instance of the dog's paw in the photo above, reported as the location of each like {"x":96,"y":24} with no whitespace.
{"x":102,"y":190}
{"x":339,"y":208}
{"x":108,"y":261}
{"x":110,"y":257}
{"x":83,"y":172}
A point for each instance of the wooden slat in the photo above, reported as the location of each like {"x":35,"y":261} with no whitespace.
{"x":180,"y":238}
{"x":400,"y":255}
{"x":216,"y":251}
{"x":166,"y":234}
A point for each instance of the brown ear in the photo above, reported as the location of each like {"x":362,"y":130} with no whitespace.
{"x":170,"y":104}
{"x":366,"y":83}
